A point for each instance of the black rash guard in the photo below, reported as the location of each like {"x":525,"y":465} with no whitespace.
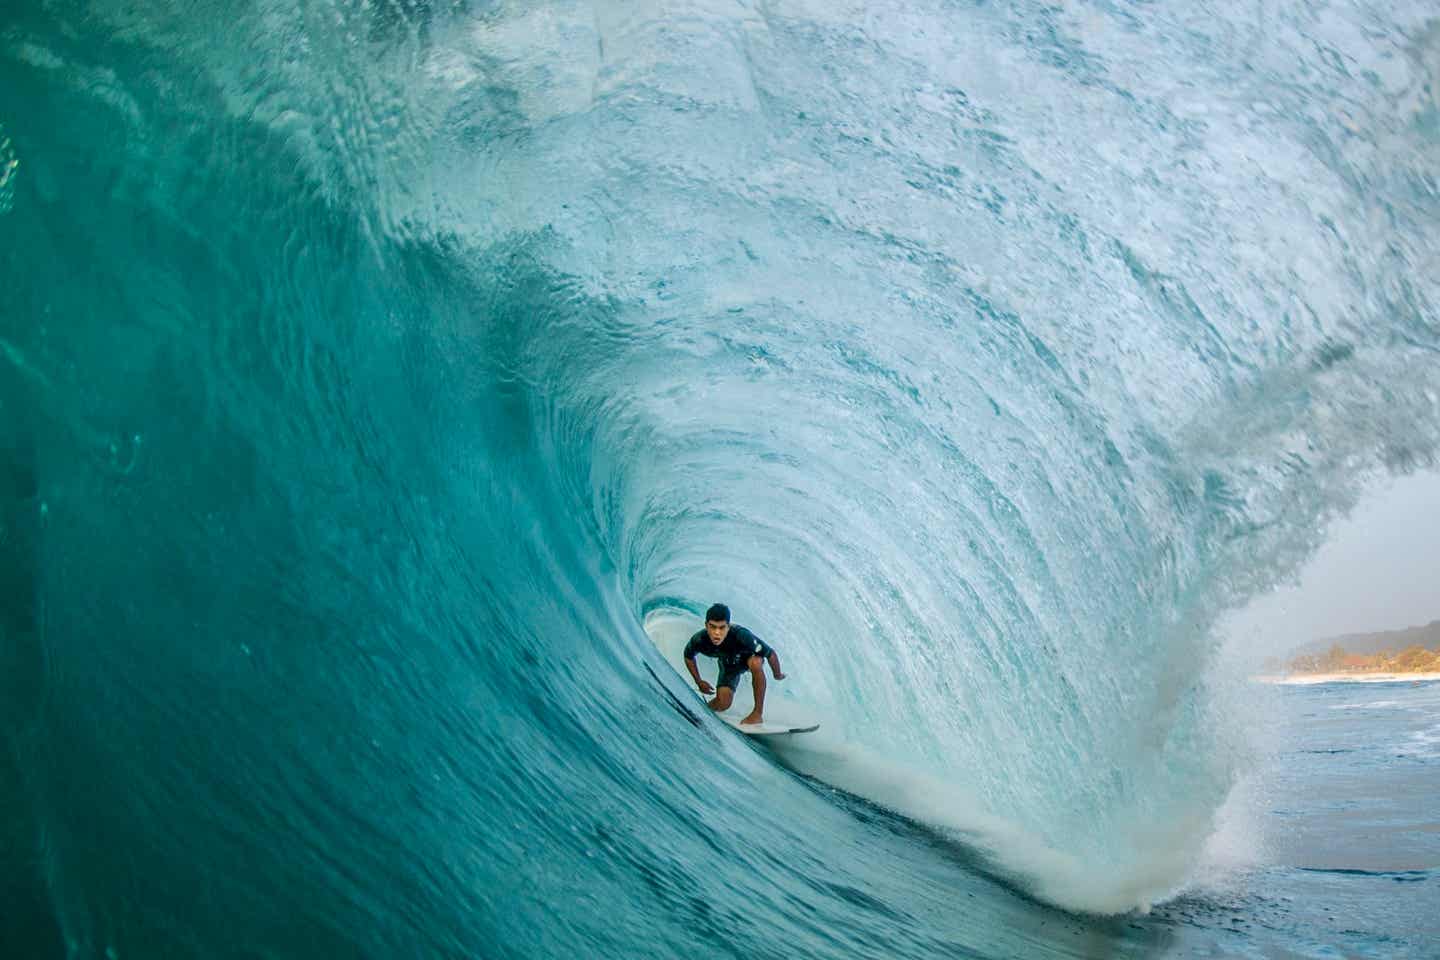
{"x":734,"y":652}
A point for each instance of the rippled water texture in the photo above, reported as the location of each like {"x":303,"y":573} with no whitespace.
{"x":372,"y":374}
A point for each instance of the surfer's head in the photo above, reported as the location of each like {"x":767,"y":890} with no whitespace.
{"x":717,"y":622}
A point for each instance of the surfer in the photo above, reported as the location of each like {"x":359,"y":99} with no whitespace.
{"x":738,"y":650}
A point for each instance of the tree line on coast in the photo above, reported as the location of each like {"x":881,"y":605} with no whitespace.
{"x":1411,"y":650}
{"x":1413,"y":659}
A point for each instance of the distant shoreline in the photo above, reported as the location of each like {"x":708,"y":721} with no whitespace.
{"x":1305,"y":679}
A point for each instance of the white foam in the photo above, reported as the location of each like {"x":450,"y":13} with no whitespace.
{"x":1423,"y":743}
{"x":1373,"y":705}
{"x":1010,"y":850}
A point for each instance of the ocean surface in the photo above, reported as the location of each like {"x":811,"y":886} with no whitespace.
{"x":384,"y":383}
{"x":1330,"y":846}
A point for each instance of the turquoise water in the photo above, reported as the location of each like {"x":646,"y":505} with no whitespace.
{"x":372,"y":374}
{"x":1338,"y":850}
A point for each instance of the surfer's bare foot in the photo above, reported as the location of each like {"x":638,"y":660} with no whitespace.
{"x":752,"y":718}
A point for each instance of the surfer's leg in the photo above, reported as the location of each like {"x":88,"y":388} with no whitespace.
{"x":725,"y":681}
{"x":757,"y":683}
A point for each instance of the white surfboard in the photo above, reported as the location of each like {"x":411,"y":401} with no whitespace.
{"x":767,"y":729}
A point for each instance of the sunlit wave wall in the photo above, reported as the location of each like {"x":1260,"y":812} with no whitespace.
{"x":371,"y":370}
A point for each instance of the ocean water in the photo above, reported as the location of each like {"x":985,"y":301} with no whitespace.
{"x":381,"y":380}
{"x":1335,"y":846}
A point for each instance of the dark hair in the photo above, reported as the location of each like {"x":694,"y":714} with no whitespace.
{"x":719,"y":613}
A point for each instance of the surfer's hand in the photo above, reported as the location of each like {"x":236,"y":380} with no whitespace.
{"x":779,"y":676}
{"x":705,"y":687}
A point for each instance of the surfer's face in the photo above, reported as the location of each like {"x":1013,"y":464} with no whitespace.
{"x":717,"y":630}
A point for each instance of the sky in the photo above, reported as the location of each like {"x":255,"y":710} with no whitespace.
{"x":1379,"y":570}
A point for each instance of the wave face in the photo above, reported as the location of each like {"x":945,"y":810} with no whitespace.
{"x":371,"y":371}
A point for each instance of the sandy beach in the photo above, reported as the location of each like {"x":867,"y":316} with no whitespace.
{"x":1308,"y":678}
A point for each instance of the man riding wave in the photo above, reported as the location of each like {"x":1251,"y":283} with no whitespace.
{"x":739,"y":651}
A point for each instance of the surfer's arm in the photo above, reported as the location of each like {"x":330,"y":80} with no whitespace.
{"x":768,"y":654}
{"x":700,"y":685}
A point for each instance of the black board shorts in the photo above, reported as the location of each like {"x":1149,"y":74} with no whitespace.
{"x":731,"y":672}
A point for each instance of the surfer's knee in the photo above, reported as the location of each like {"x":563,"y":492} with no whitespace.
{"x":755,"y":664}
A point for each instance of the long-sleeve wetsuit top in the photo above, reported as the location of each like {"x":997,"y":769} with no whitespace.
{"x":733,"y":652}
